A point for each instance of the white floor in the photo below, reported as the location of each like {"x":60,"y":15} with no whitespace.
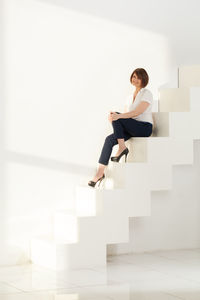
{"x":163,"y":275}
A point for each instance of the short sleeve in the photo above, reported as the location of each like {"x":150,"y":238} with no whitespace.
{"x":147,"y":96}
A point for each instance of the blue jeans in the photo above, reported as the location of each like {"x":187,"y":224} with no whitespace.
{"x":123,"y":129}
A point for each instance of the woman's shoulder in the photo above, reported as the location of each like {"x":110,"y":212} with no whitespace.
{"x":148,"y":91}
{"x":147,"y":95}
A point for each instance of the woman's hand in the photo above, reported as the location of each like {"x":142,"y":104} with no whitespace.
{"x":110,"y":117}
{"x":114,"y":116}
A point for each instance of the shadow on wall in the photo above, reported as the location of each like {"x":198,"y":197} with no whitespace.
{"x":160,"y":15}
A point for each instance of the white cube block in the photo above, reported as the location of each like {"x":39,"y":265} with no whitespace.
{"x":65,"y":227}
{"x":46,"y":252}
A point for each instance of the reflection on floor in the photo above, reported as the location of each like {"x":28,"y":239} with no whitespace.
{"x":163,"y":275}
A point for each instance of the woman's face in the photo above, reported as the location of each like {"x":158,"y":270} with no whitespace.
{"x":136,"y":81}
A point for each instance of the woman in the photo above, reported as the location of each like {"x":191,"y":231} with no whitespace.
{"x":137,"y":121}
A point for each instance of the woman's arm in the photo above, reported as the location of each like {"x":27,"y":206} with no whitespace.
{"x":125,"y":108}
{"x":133,"y":113}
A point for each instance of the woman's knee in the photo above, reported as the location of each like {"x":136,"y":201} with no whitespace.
{"x":116,"y":122}
{"x":110,"y":139}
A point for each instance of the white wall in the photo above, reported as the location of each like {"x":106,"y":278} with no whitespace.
{"x":2,"y":134}
{"x":65,"y":70}
{"x":177,"y":20}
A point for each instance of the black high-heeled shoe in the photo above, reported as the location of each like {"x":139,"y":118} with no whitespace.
{"x":117,"y":158}
{"x":93,"y":183}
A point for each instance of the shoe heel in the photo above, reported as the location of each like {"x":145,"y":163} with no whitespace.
{"x":100,"y":181}
{"x":121,"y":158}
{"x":125,"y":157}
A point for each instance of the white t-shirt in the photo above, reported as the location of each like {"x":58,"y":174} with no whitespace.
{"x":144,"y":94}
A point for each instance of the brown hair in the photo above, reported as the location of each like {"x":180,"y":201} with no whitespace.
{"x":141,"y":74}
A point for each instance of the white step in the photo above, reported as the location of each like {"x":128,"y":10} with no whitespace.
{"x":69,"y":227}
{"x":160,"y":176}
{"x":163,"y":150}
{"x":182,"y":99}
{"x":177,"y":125}
{"x":65,"y":226}
{"x":189,"y":76}
{"x":160,"y":124}
{"x":113,"y":202}
{"x":154,"y":176}
{"x":47,"y":252}
{"x":184,"y":125}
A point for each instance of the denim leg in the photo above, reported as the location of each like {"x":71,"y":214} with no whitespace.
{"x":134,"y":127}
{"x":118,"y":129}
{"x":106,"y":151}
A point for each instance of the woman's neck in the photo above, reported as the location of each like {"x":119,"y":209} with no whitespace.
{"x":137,"y":89}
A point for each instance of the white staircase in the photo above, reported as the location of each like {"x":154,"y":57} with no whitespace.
{"x":102,"y":215}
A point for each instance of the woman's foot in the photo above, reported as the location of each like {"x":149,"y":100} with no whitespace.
{"x":120,"y":150}
{"x":98,"y":175}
